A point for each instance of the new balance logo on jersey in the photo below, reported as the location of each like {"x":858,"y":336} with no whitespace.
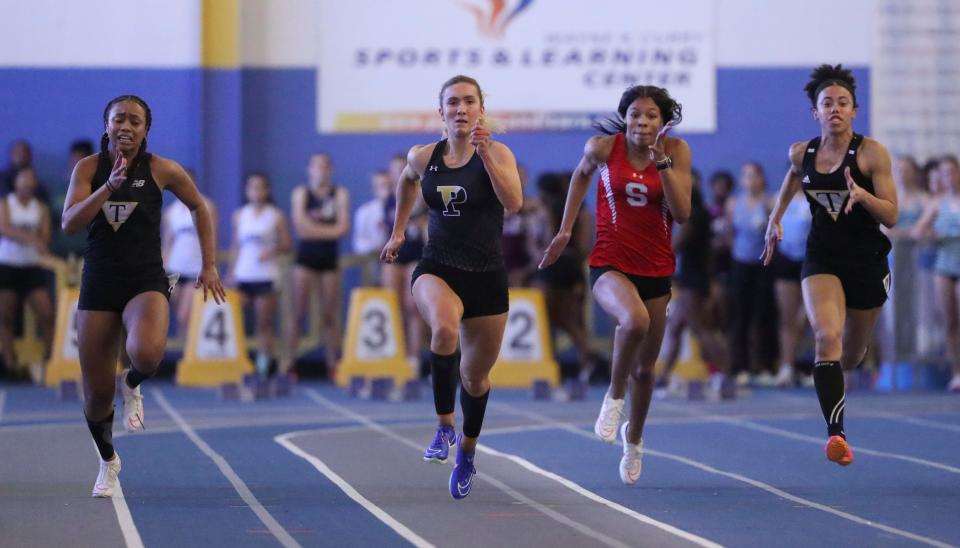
{"x":117,"y":213}
{"x":138,"y":183}
{"x":831,"y":200}
{"x":452,"y":196}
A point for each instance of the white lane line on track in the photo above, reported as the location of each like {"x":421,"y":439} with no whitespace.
{"x":819,"y":441}
{"x":3,"y":401}
{"x":556,"y":516}
{"x":131,"y":537}
{"x":129,"y":529}
{"x":285,"y":440}
{"x":248,"y":497}
{"x":744,"y":479}
{"x":917,"y":421}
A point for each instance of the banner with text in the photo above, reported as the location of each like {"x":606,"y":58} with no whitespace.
{"x":543,"y":65}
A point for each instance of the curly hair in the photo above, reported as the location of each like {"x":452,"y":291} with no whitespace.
{"x":826,"y":75}
{"x":670,"y":109}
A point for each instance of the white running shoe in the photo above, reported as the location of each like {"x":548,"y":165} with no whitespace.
{"x":954,"y":385}
{"x":132,"y":405}
{"x":611,"y":413}
{"x":784,"y":378}
{"x":632,"y":460}
{"x":107,"y":478}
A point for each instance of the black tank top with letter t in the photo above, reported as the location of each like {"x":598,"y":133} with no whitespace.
{"x":466,"y":217}
{"x":853,"y":236}
{"x":124,"y":236}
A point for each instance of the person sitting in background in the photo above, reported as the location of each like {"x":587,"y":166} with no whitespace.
{"x":260,"y":236}
{"x":181,"y":255}
{"x":24,"y":236}
{"x":941,"y":222}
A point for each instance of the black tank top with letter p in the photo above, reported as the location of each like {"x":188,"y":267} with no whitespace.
{"x":465,"y":218}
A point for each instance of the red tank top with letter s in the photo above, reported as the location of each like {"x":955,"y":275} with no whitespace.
{"x":634,"y":224}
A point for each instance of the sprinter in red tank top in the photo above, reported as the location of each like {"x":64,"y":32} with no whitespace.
{"x":644,"y":185}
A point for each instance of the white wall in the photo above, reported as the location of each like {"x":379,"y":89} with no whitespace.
{"x":100,"y":33}
{"x":286,"y":33}
{"x":794,"y":33}
{"x":280,"y":33}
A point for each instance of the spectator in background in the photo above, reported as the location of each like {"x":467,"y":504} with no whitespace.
{"x":181,"y":255}
{"x":21,"y":156}
{"x":24,"y":236}
{"x":941,"y":222}
{"x":260,"y":236}
{"x":752,"y":337}
{"x":398,"y":275}
{"x":691,"y":294}
{"x":721,"y":185}
{"x":369,"y":230}
{"x":63,"y":245}
{"x":564,"y":282}
{"x":321,"y":217}
{"x":787,"y":265}
{"x":516,"y":242}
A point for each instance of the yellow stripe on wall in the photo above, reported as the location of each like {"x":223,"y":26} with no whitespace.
{"x":221,"y":33}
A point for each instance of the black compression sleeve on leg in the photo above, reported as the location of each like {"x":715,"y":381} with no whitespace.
{"x":102,"y":432}
{"x":135,"y":377}
{"x":473,"y":411}
{"x":445,"y":372}
{"x":828,"y":379}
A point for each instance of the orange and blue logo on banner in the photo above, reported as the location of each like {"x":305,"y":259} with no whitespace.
{"x":493,"y":16}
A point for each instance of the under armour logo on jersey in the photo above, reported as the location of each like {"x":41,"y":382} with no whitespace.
{"x":806,"y":179}
{"x":433,"y":168}
{"x":831,"y":200}
{"x":117,"y":213}
{"x":452,"y":195}
{"x":851,"y":152}
{"x":138,"y":183}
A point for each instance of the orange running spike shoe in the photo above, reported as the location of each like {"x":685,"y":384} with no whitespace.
{"x":838,"y":451}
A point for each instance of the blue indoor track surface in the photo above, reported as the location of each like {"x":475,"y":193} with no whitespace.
{"x":321,"y":468}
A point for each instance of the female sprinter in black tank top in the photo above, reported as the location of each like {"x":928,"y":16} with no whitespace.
{"x":460,"y":285}
{"x":124,"y":286}
{"x":847,"y":181}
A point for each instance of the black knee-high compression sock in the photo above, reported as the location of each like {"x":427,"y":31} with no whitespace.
{"x":445,"y":372}
{"x":828,"y":378}
{"x":102,"y":432}
{"x":473,"y":411}
{"x":135,"y":377}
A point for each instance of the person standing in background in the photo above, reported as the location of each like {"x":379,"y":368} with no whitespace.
{"x":260,"y":236}
{"x":24,"y":237}
{"x":321,"y":218}
{"x":181,"y":256}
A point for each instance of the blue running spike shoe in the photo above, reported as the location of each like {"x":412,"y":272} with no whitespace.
{"x":461,"y":479}
{"x":439,"y":448}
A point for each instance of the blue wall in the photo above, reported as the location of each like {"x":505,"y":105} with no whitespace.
{"x":223,"y":123}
